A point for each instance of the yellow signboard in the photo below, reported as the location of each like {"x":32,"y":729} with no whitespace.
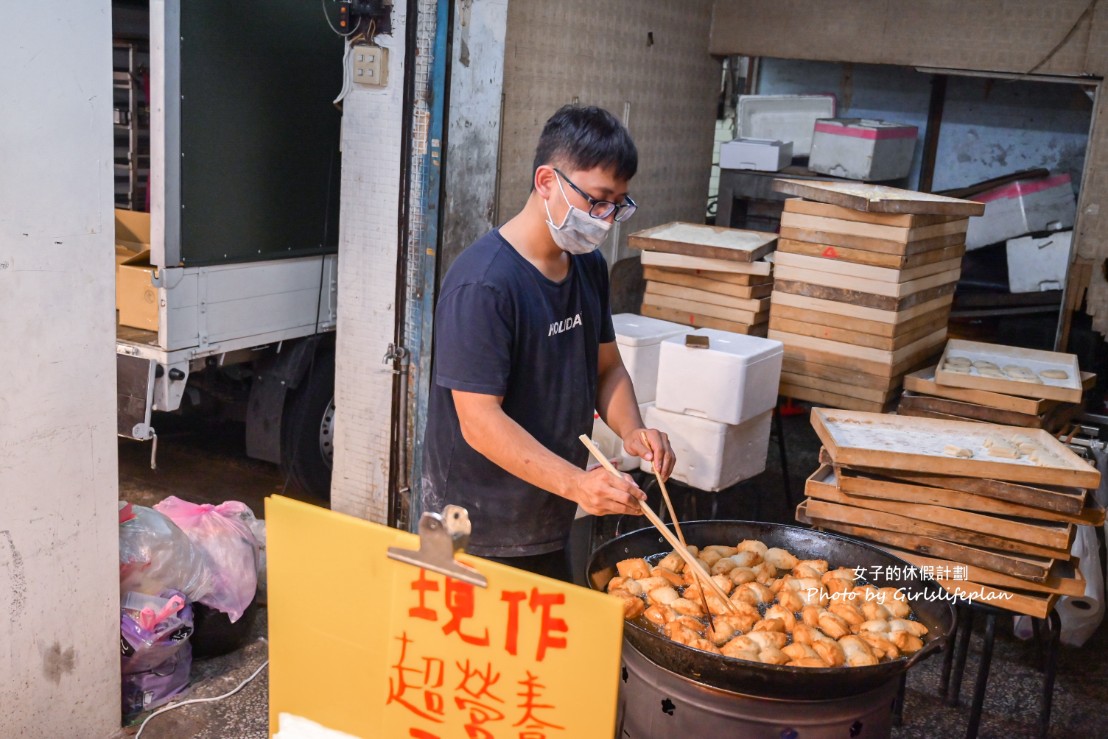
{"x":373,"y":647}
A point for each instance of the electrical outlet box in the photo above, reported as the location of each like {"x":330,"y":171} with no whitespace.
{"x":371,"y":65}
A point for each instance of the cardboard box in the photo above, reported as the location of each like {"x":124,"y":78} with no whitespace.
{"x":1022,"y":207}
{"x":733,"y":380}
{"x":136,"y":298}
{"x":1038,"y":264}
{"x":132,"y":229}
{"x":762,"y":155}
{"x":639,"y":339}
{"x":711,"y":455}
{"x":863,"y":149}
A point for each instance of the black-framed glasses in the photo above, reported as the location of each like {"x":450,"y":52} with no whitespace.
{"x":603,"y":208}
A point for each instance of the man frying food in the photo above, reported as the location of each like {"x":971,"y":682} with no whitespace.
{"x":525,"y":351}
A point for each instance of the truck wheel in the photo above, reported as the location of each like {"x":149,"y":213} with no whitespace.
{"x":307,"y":431}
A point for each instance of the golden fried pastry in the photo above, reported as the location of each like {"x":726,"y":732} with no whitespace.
{"x":780,"y":558}
{"x":659,"y":614}
{"x":664,"y":595}
{"x":669,"y":576}
{"x":857,"y":652}
{"x":636,"y":568}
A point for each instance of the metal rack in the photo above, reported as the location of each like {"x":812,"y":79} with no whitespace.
{"x":131,"y":124}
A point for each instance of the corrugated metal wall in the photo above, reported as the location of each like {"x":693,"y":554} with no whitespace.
{"x":647,"y":63}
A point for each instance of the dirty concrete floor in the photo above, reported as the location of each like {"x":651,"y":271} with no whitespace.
{"x":206,"y":463}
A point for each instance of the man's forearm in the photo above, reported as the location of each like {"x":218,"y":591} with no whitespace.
{"x":508,"y":445}
{"x":616,"y":402}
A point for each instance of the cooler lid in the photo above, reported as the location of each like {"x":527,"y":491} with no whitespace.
{"x":750,"y":348}
{"x":636,"y":330}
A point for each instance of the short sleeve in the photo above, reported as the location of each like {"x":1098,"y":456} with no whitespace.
{"x":473,"y":340}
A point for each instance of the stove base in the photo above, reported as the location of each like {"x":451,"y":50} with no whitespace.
{"x":655,"y":703}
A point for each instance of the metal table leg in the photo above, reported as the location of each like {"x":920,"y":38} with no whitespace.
{"x":1054,"y":632}
{"x":954,"y":688}
{"x":898,"y":704}
{"x":948,"y":653}
{"x":982,"y":676}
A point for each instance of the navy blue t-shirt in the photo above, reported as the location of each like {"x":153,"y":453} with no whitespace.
{"x":503,"y":328}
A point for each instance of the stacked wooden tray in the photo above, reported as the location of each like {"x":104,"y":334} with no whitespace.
{"x":995,"y":526}
{"x":706,"y":276}
{"x":864,"y":281}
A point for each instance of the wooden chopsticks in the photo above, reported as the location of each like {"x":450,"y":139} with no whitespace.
{"x":678,"y":546}
{"x":665,"y":493}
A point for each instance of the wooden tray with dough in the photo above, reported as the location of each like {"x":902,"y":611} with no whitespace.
{"x":1052,"y":536}
{"x":1062,"y":500}
{"x":878,"y":198}
{"x":1036,"y":361}
{"x":870,"y":485}
{"x":760,"y":269}
{"x":1024,"y":566}
{"x":698,"y":240}
{"x":919,"y":445}
{"x":924,"y":382}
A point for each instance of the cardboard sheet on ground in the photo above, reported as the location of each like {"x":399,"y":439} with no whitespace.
{"x":373,"y":647}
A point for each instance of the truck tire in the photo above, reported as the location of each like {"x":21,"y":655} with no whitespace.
{"x":307,"y":429}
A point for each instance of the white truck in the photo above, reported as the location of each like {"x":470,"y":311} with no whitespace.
{"x":242,"y":169}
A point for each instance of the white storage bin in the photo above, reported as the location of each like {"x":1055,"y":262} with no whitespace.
{"x":1038,"y":264}
{"x":758,"y":154}
{"x":638,"y":338}
{"x":611,"y":446}
{"x":733,"y":380}
{"x":863,"y":149}
{"x":1022,"y":207}
{"x":783,"y":118}
{"x":712,"y":455}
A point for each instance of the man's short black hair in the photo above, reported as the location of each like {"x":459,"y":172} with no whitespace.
{"x":584,"y":137}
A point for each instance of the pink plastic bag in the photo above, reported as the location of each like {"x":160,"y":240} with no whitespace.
{"x":223,"y":533}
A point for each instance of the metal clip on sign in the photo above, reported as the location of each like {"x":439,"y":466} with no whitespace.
{"x":440,"y":538}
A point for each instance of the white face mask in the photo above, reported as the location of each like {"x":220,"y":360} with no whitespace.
{"x":579,"y":233}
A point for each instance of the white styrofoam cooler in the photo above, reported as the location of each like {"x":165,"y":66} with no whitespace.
{"x":731,"y":381}
{"x":759,"y":154}
{"x":1022,"y":207}
{"x":783,"y":118}
{"x":611,"y":446}
{"x":638,"y":338}
{"x":711,"y":455}
{"x":862,"y":149}
{"x":1038,"y":264}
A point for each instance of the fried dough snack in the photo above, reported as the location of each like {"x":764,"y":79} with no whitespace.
{"x":783,"y":610}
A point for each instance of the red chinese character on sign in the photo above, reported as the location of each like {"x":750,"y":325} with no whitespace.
{"x":476,"y":684}
{"x":459,"y":600}
{"x":531,"y":693}
{"x":399,"y":685}
{"x":549,"y":625}
{"x":511,"y":637}
{"x":423,"y":586}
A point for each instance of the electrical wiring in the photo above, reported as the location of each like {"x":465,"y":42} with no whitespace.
{"x":228,"y":694}
{"x":348,"y":34}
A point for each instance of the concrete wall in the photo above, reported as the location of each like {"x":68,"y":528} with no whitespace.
{"x":368,"y":242}
{"x":59,"y":572}
{"x":648,"y":63}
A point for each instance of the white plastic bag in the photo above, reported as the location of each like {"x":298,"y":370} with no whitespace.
{"x":155,"y":555}
{"x":223,"y":534}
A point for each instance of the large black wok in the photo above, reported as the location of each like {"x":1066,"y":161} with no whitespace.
{"x":777,"y":681}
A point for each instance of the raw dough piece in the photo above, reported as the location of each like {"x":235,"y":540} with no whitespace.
{"x":1028,"y":447}
{"x":1004,"y":451}
{"x":953,"y":450}
{"x":983,"y":364}
{"x":990,"y":372}
{"x":958,"y":361}
{"x":1017,"y":369}
{"x":961,"y":369}
{"x":1055,"y":374}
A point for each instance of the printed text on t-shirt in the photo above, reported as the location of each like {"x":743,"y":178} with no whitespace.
{"x":565,"y":324}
